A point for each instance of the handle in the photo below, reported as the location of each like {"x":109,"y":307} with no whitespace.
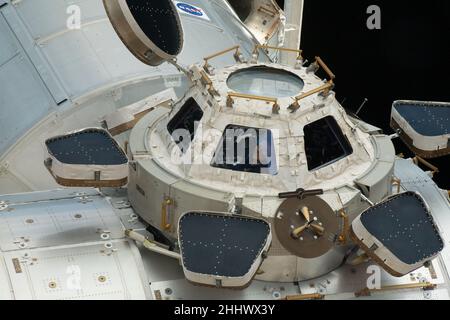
{"x":300,"y":193}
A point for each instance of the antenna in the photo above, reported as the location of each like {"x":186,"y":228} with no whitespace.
{"x":362,"y":105}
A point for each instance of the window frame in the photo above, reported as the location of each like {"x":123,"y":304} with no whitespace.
{"x":272,"y":168}
{"x":177,"y":119}
{"x":341,"y":138}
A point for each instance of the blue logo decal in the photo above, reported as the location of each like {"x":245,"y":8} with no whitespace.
{"x":190,"y":9}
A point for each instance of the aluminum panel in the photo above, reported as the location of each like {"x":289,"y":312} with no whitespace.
{"x":118,"y":62}
{"x":35,"y":13}
{"x":258,"y":290}
{"x":9,"y":48}
{"x":23,"y":99}
{"x":75,"y":62}
{"x":92,"y":271}
{"x":6,"y":292}
{"x":28,"y":45}
{"x":42,"y":223}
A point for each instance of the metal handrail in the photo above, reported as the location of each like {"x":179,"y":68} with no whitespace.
{"x":208,"y":83}
{"x":421,"y":285}
{"x":427,"y":164}
{"x":322,"y":89}
{"x":207,"y":80}
{"x":252,"y":97}
{"x":301,"y":297}
{"x":267,"y":10}
{"x":345,"y":227}
{"x":232,"y":95}
{"x":236,"y":55}
{"x":165,"y":224}
{"x":397,"y":183}
{"x":260,"y":46}
{"x":324,"y":66}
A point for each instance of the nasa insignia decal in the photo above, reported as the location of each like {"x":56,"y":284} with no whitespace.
{"x":191,"y":10}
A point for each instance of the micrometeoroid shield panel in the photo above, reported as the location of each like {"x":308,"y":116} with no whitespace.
{"x":89,"y":147}
{"x":222,"y":250}
{"x":399,"y":234}
{"x":87,"y":158}
{"x":423,"y":126}
{"x":151,"y":30}
{"x":427,"y":119}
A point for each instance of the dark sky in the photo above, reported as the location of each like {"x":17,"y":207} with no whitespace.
{"x":409,"y":58}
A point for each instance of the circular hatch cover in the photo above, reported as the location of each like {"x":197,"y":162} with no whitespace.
{"x":307,"y":228}
{"x":150,"y":29}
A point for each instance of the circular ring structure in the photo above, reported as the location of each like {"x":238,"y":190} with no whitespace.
{"x":150,"y":29}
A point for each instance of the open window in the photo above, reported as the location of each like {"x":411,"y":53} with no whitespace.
{"x":325,"y":143}
{"x":183,"y":125}
{"x":246,"y":149}
{"x":151,"y":30}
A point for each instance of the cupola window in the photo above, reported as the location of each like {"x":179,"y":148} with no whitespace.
{"x":325,"y":143}
{"x":246,"y":149}
{"x":183,"y":125}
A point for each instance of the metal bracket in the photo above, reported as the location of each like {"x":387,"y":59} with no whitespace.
{"x":236,"y":207}
{"x":300,"y":194}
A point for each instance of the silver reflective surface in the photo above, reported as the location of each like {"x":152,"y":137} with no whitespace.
{"x":264,"y":81}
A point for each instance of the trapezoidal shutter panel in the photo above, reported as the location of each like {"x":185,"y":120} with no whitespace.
{"x":87,"y":158}
{"x":399,"y":233}
{"x":151,"y":30}
{"x":423,"y":126}
{"x":222,"y":250}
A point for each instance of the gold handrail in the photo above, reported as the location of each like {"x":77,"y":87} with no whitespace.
{"x":232,"y":95}
{"x":207,"y":80}
{"x":299,"y":297}
{"x":208,"y":83}
{"x":267,"y":10}
{"x":422,"y":285}
{"x":272,"y":29}
{"x":260,"y":46}
{"x":398,"y":183}
{"x":345,"y":227}
{"x":324,"y":88}
{"x":320,"y":89}
{"x":324,"y":66}
{"x":165,"y":224}
{"x":252,"y":97}
{"x":427,"y":164}
{"x":236,"y":55}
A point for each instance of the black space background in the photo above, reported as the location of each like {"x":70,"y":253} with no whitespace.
{"x":409,"y":58}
